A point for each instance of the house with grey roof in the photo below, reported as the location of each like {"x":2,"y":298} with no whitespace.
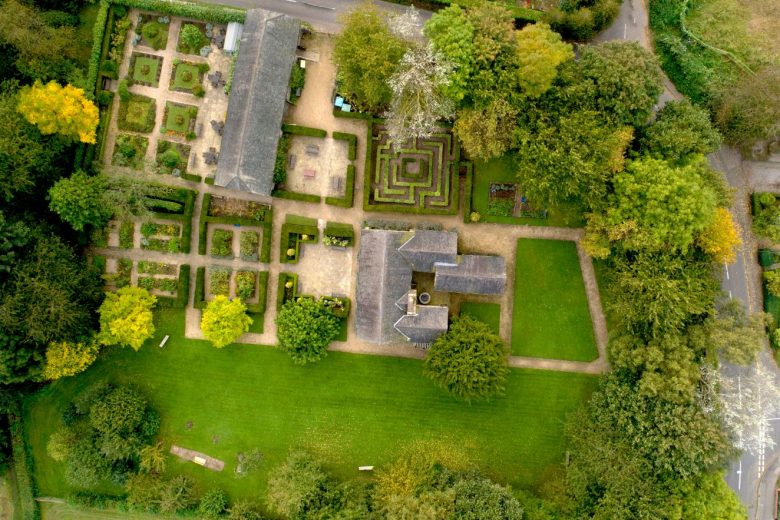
{"x":256,"y":106}
{"x":388,"y":306}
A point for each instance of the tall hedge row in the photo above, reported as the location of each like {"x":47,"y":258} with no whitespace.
{"x":211,"y":13}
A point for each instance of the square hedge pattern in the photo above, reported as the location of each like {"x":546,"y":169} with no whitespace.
{"x":186,"y":76}
{"x":420,"y":176}
{"x":178,"y":118}
{"x":146,"y":69}
{"x":137,"y":114}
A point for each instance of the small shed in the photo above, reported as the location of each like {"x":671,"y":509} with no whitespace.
{"x":232,"y":36}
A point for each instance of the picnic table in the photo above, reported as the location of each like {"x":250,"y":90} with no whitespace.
{"x":308,"y":173}
{"x":312,"y":149}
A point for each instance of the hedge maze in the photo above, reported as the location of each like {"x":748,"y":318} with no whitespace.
{"x":419,"y":177}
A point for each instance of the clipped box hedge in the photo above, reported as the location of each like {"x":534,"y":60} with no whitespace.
{"x":303,"y":130}
{"x":351,"y":140}
{"x":291,"y":195}
{"x":281,"y":289}
{"x":349,"y":191}
{"x":200,"y":288}
{"x":297,"y":227}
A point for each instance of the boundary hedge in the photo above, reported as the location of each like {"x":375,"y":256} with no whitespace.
{"x":200,"y":288}
{"x":217,"y":14}
{"x":303,"y":130}
{"x":23,"y":466}
{"x":351,"y":141}
{"x":348,"y":200}
{"x":293,"y":195}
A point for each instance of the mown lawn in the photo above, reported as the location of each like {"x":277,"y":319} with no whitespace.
{"x":487,"y":313}
{"x":550,"y":316}
{"x":349,"y":409}
{"x":500,"y":171}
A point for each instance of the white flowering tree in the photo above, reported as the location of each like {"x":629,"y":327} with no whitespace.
{"x":748,"y":400}
{"x":418,"y":101}
{"x":407,"y":25}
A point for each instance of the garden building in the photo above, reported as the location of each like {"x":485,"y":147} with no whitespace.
{"x":258,"y":93}
{"x":401,"y":274}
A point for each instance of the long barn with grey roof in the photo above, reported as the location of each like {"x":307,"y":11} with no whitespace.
{"x":257,"y":102}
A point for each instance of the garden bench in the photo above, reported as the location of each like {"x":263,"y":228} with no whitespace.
{"x":336,"y":183}
{"x":312,"y":149}
{"x":164,"y":341}
{"x":291,"y":161}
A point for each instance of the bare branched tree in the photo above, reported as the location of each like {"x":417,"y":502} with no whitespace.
{"x":418,"y":99}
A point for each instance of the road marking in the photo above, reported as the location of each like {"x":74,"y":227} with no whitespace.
{"x":726,"y":267}
{"x":730,"y":297}
{"x":625,"y":28}
{"x":739,"y":475}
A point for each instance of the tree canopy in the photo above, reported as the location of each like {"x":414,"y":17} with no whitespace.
{"x":55,"y":109}
{"x":68,"y":359}
{"x":224,"y":320}
{"x":468,"y":360}
{"x":80,"y":200}
{"x":680,"y":130}
{"x":539,"y":52}
{"x":126,"y":317}
{"x":367,"y":54}
{"x":304,"y":328}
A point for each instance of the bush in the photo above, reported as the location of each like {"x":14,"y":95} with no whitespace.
{"x":222,"y":243}
{"x":305,"y":328}
{"x":213,"y":503}
{"x":772,"y":280}
{"x":245,"y":284}
{"x":170,"y":158}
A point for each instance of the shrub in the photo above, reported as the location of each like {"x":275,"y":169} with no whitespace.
{"x":224,"y":320}
{"x":245,"y":284}
{"x":219,"y":282}
{"x":222,"y":243}
{"x":213,"y":503}
{"x":198,"y":91}
{"x":170,"y":158}
{"x":772,"y":280}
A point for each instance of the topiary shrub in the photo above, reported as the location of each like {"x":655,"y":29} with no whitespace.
{"x":170,"y":158}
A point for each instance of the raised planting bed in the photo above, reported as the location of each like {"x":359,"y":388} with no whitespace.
{"x":130,"y":151}
{"x":153,"y":31}
{"x":172,"y":157}
{"x":121,"y":278}
{"x":338,"y":235}
{"x":246,"y":285}
{"x":137,"y":114}
{"x":145,"y":69}
{"x":192,"y":38}
{"x":126,"y":234}
{"x":295,"y":231}
{"x":236,"y":212}
{"x":180,"y":119}
{"x":188,"y":77}
{"x":219,"y":282}
{"x":222,"y":244}
{"x":250,"y":245}
{"x":148,"y":267}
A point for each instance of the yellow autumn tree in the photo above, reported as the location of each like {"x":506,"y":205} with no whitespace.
{"x":55,"y":109}
{"x":126,"y":317}
{"x":721,"y":238}
{"x":64,"y":358}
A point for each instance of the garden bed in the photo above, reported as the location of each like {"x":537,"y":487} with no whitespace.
{"x":221,"y":244}
{"x":250,"y":245}
{"x":145,"y":69}
{"x":130,"y":151}
{"x":296,"y":230}
{"x":236,"y":212}
{"x":137,"y":114}
{"x":153,"y":30}
{"x":179,"y":120}
{"x":188,"y":77}
{"x":336,"y":234}
{"x":219,"y":281}
{"x":172,"y":158}
{"x":195,"y":45}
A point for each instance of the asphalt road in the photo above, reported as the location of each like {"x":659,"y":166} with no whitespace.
{"x":753,"y":476}
{"x":323,"y":15}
